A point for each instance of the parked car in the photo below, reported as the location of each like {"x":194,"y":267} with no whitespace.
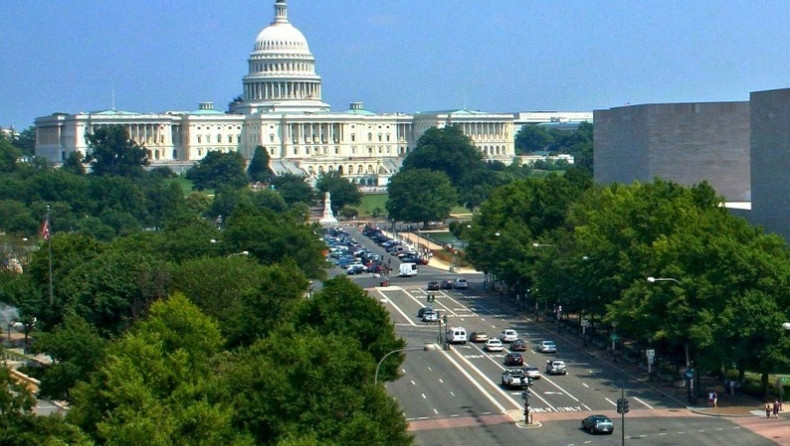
{"x":532,"y":372}
{"x":508,"y":335}
{"x":547,"y":347}
{"x":356,"y":269}
{"x":478,"y":336}
{"x":494,"y":345}
{"x":519,"y":345}
{"x":433,"y":285}
{"x":514,"y":359}
{"x":461,"y":284}
{"x":554,"y":367}
{"x":598,"y":424}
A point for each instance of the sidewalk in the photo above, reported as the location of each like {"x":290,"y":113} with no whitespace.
{"x":421,"y":243}
{"x":738,"y":405}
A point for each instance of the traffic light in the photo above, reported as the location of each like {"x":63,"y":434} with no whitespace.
{"x":625,"y":405}
{"x":620,"y":405}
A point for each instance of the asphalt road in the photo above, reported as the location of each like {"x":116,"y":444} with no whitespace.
{"x":454,"y":396}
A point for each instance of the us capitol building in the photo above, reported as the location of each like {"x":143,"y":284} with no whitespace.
{"x":281,"y":110}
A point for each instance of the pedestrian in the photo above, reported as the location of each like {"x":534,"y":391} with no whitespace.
{"x":711,"y":397}
{"x":715,"y":399}
{"x":776,"y":408}
{"x":768,"y":409}
{"x":732,"y":387}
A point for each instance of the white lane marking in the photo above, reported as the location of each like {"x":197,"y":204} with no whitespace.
{"x":474,"y":382}
{"x":397,"y":308}
{"x":440,"y":380}
{"x":413,"y":383}
{"x":585,"y":385}
{"x":424,"y":397}
{"x":495,"y":385}
{"x":435,"y":411}
{"x":611,"y":402}
{"x":646,"y":405}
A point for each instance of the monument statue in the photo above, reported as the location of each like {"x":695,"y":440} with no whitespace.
{"x":329,"y":218}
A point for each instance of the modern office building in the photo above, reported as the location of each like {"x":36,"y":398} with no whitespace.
{"x":685,"y":142}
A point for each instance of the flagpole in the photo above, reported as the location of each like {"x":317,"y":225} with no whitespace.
{"x":49,"y":242}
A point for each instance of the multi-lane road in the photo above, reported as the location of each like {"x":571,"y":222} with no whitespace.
{"x":454,"y":397}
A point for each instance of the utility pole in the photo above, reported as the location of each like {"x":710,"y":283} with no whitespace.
{"x":622,"y":408}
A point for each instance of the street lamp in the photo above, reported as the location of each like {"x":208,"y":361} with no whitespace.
{"x":243,"y":253}
{"x":786,"y":326}
{"x":425,"y":347}
{"x":663,"y":279}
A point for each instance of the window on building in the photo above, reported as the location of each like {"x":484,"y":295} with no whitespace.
{"x":296,"y":150}
{"x":370,"y":136}
{"x":199,"y":139}
{"x":353,"y":137}
{"x":271,"y":137}
{"x":379,"y":137}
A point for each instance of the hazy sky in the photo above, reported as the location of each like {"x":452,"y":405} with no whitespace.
{"x":393,"y":55}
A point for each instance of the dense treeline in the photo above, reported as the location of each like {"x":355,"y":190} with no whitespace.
{"x":185,"y":320}
{"x":564,"y":243}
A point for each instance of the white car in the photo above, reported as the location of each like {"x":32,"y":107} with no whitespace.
{"x":532,"y":372}
{"x":508,"y":335}
{"x":461,"y":284}
{"x":494,"y":345}
{"x":547,"y":347}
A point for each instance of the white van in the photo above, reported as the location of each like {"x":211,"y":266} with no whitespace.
{"x":407,"y":270}
{"x":456,"y":335}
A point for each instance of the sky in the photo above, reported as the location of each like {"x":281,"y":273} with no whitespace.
{"x":395,"y":55}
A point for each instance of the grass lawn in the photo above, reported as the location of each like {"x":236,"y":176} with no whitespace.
{"x":371,"y":202}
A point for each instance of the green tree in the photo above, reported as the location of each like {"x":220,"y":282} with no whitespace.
{"x":258,"y":169}
{"x":294,"y":189}
{"x":533,"y":138}
{"x":446,"y":150}
{"x":76,"y":349}
{"x":112,"y":152}
{"x":73,"y":164}
{"x":343,"y":192}
{"x":218,"y":169}
{"x":420,"y":195}
{"x":9,"y":156}
{"x":158,"y":384}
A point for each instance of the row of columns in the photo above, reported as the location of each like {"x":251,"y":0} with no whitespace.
{"x":484,"y":129}
{"x":282,"y":90}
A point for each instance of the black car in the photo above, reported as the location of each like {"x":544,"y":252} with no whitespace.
{"x":598,"y":424}
{"x":433,"y":285}
{"x":514,"y":359}
{"x":447,"y":284}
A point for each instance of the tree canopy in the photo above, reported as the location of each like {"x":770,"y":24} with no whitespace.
{"x":218,"y":169}
{"x":343,"y":191}
{"x":421,"y":195}
{"x":112,"y":152}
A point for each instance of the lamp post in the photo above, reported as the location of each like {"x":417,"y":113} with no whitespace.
{"x":425,"y":347}
{"x":690,"y":373}
{"x":243,"y":253}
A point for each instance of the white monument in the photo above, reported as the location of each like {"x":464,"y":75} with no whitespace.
{"x":328,"y":219}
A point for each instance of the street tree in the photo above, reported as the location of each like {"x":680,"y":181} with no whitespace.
{"x":343,"y":191}
{"x":112,"y":152}
{"x":533,"y":138}
{"x":420,"y":195}
{"x":159,"y":385}
{"x":218,"y":169}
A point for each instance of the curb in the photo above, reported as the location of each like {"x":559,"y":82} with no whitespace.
{"x":720,"y":415}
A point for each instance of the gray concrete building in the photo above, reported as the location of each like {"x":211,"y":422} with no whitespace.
{"x":770,"y":160}
{"x":686,"y":143}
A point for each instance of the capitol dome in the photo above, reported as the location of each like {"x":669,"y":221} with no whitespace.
{"x":281,"y":75}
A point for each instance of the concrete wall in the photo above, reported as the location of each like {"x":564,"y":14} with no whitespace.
{"x":770,"y":160}
{"x":686,"y":143}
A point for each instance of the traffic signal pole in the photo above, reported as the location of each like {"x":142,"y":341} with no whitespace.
{"x":622,"y":416}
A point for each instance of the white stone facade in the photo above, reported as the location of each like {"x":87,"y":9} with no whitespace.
{"x":280,"y":109}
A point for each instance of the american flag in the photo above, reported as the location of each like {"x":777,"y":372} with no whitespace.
{"x":45,"y":228}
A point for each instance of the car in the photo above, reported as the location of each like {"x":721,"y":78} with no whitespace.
{"x":478,"y":336}
{"x":515,"y":378}
{"x":494,"y":345}
{"x":461,"y":284}
{"x":356,"y":269}
{"x":447,"y":284}
{"x":555,"y":367}
{"x":519,"y":345}
{"x":514,"y":359}
{"x":532,"y":372}
{"x":422,"y":311}
{"x":433,"y":285}
{"x":430,"y":316}
{"x":508,"y":335}
{"x":547,"y":347}
{"x":598,"y":424}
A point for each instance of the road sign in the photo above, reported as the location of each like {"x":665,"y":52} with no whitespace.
{"x":585,"y":323}
{"x":651,"y":356}
{"x":613,"y":337}
{"x":689,"y":374}
{"x":784,"y":379}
